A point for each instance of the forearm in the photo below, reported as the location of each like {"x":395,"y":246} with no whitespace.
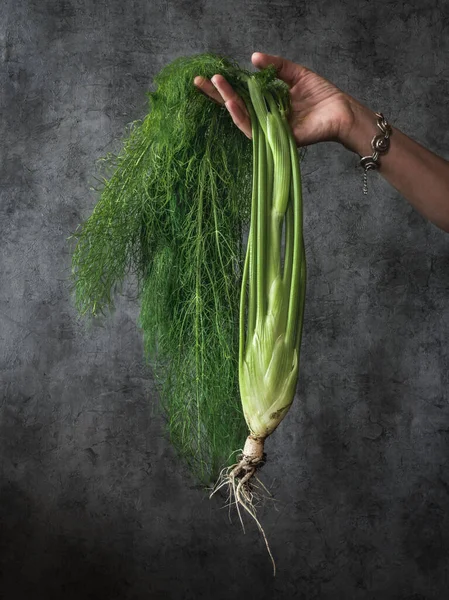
{"x":418,"y":174}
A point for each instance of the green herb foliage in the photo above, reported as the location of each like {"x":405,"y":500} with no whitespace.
{"x":173,"y":208}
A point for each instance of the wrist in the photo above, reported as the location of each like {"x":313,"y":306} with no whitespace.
{"x":360,"y":127}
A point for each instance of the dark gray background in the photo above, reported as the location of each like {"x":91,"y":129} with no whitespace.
{"x":93,"y":503}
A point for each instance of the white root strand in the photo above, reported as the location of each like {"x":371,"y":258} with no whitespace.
{"x":243,"y":471}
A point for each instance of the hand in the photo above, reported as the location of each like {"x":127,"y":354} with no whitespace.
{"x":320,"y":110}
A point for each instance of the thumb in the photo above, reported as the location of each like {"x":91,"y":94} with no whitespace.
{"x":287,"y":70}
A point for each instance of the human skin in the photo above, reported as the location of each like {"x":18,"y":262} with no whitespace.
{"x":323,"y":112}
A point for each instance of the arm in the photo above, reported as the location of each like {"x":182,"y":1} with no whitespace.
{"x":418,"y":174}
{"x":323,"y":112}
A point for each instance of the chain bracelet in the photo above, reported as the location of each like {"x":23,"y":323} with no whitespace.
{"x":380,"y":144}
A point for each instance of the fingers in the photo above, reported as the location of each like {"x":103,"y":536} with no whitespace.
{"x":222,"y":92}
{"x":240,"y":118}
{"x":234,"y":104}
{"x":287,"y":70}
{"x":204,"y":84}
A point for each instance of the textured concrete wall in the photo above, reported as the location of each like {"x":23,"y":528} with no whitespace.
{"x":93,"y":503}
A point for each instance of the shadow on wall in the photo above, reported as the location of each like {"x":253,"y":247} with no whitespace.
{"x":43,"y":557}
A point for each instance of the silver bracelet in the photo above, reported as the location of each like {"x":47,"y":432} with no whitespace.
{"x":380,"y":144}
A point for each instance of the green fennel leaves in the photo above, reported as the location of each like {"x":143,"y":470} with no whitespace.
{"x":172,"y":213}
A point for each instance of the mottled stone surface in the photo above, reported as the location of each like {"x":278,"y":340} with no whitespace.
{"x":93,"y":503}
